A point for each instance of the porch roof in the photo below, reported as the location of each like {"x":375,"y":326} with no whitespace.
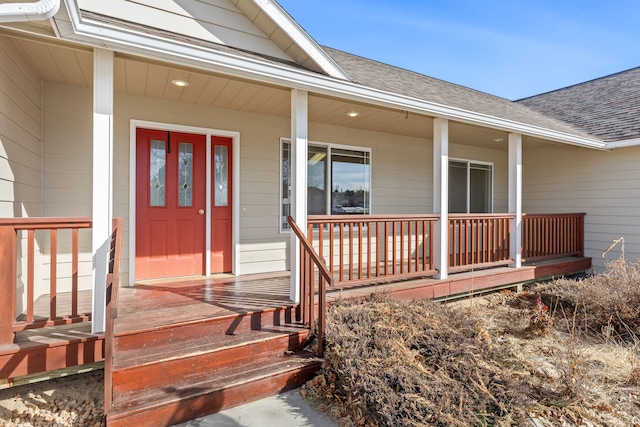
{"x":369,"y":81}
{"x":370,"y":73}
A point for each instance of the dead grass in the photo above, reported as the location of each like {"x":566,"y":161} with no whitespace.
{"x":494,"y":360}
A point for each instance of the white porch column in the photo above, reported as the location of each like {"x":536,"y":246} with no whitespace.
{"x":441,"y":195}
{"x":102,"y":178}
{"x":515,"y":197}
{"x":299,"y":146}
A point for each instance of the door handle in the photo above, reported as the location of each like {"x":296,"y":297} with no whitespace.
{"x":201,"y":211}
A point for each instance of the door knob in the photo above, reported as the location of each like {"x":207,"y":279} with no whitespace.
{"x":201,"y":211}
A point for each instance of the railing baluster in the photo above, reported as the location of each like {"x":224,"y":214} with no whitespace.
{"x":74,"y":272}
{"x":368,"y":250}
{"x":360,"y":250}
{"x":30,"y":273}
{"x":53,"y":281}
{"x":351,"y":250}
{"x":341,"y":247}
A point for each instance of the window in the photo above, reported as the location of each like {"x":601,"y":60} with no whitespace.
{"x":338,"y":180}
{"x":470,"y":187}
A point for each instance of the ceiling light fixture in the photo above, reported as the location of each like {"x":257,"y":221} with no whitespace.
{"x":498,"y":140}
{"x":179,"y":83}
{"x":353,"y":114}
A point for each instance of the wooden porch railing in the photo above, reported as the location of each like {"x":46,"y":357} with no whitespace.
{"x":9,"y":231}
{"x":368,"y":249}
{"x":548,"y":236}
{"x":312,"y":270}
{"x":479,"y":241}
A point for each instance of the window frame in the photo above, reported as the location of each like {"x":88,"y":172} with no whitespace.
{"x":328,"y":184}
{"x":469,"y":162}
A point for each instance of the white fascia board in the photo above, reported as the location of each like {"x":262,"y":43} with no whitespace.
{"x":623,"y":143}
{"x":287,"y":24}
{"x":153,"y":47}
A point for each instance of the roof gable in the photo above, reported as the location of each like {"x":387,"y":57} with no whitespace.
{"x":259,"y":26}
{"x":607,"y":107}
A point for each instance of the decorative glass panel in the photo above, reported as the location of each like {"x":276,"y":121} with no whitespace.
{"x":185,"y":174}
{"x":286,"y":185}
{"x":221,"y":184}
{"x":157,"y":172}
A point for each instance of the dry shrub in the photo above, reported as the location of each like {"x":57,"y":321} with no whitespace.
{"x":392,"y":363}
{"x":607,"y":303}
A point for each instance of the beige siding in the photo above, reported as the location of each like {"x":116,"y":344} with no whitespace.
{"x":20,"y":153}
{"x":604,"y":185}
{"x":217,"y":21}
{"x":67,"y":175}
{"x":20,"y":134}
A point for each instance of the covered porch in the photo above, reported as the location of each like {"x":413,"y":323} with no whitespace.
{"x":372,"y":253}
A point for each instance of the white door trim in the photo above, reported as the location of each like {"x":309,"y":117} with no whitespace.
{"x":235,"y":192}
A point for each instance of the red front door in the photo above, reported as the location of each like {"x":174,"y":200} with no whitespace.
{"x":170,"y":204}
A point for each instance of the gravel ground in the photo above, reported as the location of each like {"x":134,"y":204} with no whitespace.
{"x":74,"y":400}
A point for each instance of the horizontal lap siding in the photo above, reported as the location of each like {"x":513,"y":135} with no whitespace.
{"x":20,"y":151}
{"x":20,"y":134}
{"x":68,"y":176}
{"x":605,"y":185}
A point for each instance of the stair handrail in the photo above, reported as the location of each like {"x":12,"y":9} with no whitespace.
{"x":111,"y":305}
{"x":307,"y":288}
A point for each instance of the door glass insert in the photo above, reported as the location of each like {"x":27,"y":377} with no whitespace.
{"x":157,"y":172}
{"x":221,"y":185}
{"x":185,"y":174}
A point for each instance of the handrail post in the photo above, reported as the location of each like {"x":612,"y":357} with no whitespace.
{"x":8,"y":260}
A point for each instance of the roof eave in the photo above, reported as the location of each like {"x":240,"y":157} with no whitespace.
{"x":111,"y":37}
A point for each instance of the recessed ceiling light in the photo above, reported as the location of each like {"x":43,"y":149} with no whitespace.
{"x":179,"y":83}
{"x":353,"y":114}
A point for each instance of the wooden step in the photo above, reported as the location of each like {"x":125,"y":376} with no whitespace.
{"x":145,"y":371}
{"x":190,"y":333}
{"x":212,"y":392}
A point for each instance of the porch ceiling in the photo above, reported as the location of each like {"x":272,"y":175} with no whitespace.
{"x":73,"y":65}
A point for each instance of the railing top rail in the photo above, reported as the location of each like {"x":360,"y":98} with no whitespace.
{"x":322,"y":267}
{"x":38,"y":223}
{"x":313,"y":219}
{"x":553,"y":215}
{"x":482,"y":216}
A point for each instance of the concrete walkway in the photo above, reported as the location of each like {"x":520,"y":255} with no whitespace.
{"x":284,"y":410}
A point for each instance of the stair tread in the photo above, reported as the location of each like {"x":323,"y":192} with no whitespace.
{"x":207,"y":344}
{"x":211,"y":382}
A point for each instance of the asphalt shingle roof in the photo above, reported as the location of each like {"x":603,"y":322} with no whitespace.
{"x":607,"y":108}
{"x":392,"y":79}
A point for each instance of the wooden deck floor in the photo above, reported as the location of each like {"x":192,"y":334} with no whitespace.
{"x":156,"y":304}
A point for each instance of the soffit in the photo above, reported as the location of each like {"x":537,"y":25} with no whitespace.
{"x":73,"y":65}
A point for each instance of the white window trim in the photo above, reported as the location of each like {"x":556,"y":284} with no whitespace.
{"x":477,"y":162}
{"x":330,"y":146}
